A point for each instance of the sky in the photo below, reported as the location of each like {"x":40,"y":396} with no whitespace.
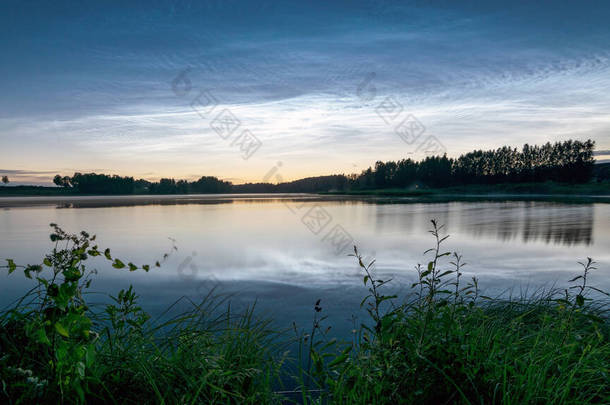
{"x":244,"y":89}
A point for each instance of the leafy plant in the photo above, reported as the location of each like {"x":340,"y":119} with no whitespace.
{"x":55,"y":348}
{"x":53,"y":323}
{"x":450,"y":344}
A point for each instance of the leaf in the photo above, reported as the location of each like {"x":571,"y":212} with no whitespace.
{"x":341,"y":358}
{"x":47,"y":262}
{"x":11,"y":266}
{"x":364,"y":300}
{"x":41,"y":337}
{"x":132,"y":267}
{"x":562,"y":301}
{"x":580,"y":300}
{"x":329,"y":343}
{"x":598,"y":290}
{"x":36,"y":268}
{"x":42,"y":281}
{"x":574,"y":279}
{"x":80,"y":370}
{"x":118,"y":264}
{"x":366,"y":278}
{"x":61,"y":330}
{"x":430,"y":266}
{"x":146,"y":267}
{"x":386,"y":297}
{"x":81,"y":393}
{"x":107,"y":254}
{"x":90,"y":355}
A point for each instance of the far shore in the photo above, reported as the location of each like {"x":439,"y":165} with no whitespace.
{"x":373,"y":196}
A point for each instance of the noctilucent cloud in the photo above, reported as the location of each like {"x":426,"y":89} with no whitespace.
{"x":87,"y":86}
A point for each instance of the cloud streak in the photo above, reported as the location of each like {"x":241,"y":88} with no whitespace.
{"x":476,"y":77}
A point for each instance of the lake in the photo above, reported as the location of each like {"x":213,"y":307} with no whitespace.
{"x":286,"y":251}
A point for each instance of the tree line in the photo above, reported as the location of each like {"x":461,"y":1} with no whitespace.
{"x":569,"y":161}
{"x":93,"y":183}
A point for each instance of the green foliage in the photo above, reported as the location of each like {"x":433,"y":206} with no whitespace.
{"x":449,"y":344}
{"x":54,"y":348}
{"x":200,"y":356}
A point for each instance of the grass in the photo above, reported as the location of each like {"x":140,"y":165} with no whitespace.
{"x":443,"y":343}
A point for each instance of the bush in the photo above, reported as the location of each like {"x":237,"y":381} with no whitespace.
{"x":55,"y":348}
{"x":452,"y":345}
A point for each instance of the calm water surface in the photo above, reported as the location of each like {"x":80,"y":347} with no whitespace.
{"x":286,"y":252}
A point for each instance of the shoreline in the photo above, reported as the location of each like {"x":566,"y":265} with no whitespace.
{"x":373,"y":196}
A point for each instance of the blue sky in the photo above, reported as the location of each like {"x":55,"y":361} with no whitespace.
{"x":88,"y":87}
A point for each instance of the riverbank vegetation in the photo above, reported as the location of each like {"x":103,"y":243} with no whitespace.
{"x":504,"y":189}
{"x":445,"y":342}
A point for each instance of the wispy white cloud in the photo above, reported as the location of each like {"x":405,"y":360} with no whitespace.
{"x":471,"y":79}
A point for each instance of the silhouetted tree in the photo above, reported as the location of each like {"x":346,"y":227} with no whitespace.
{"x":569,"y":161}
{"x":61,"y":181}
